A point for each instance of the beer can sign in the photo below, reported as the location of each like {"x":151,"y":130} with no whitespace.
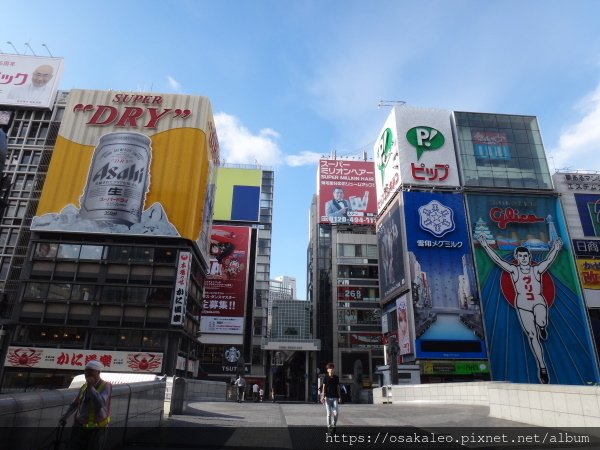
{"x":118,"y":179}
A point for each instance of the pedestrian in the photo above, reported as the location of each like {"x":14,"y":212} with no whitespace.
{"x":255,"y":392}
{"x":92,"y":410}
{"x":241,"y":388}
{"x":261,"y":394}
{"x":331,"y":397}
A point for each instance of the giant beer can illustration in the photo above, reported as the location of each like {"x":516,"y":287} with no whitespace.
{"x":118,"y":179}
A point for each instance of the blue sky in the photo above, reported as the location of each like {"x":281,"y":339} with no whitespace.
{"x":290,"y":81}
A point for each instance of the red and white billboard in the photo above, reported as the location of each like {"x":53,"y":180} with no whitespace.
{"x":226,"y":283}
{"x":347,"y":192}
{"x":76,"y":359}
{"x":30,"y":81}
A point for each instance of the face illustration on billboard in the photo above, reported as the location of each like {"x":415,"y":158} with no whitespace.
{"x":344,"y":191}
{"x":114,"y":168}
{"x":391,"y":258}
{"x":537,"y":328}
{"x":404,"y":342}
{"x":448,"y":323}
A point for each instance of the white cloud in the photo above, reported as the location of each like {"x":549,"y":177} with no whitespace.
{"x":579,"y":143}
{"x":174,"y":84}
{"x":240,"y":146}
{"x":303,"y":159}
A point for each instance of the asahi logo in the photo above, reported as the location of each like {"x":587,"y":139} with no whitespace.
{"x":130,"y":173}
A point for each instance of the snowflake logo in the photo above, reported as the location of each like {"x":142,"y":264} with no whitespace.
{"x":436,"y":218}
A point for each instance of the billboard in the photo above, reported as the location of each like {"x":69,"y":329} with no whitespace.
{"x":226,"y":283}
{"x":344,"y":190}
{"x":448,"y":323}
{"x":536,"y":324}
{"x":237,"y":196}
{"x":30,"y":81}
{"x":392,"y":278}
{"x":76,"y":359}
{"x":130,"y":163}
{"x":403,"y":338}
{"x":385,"y":152}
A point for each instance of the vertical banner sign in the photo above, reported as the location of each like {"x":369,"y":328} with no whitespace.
{"x":226,"y":284}
{"x":391,"y":253}
{"x":345,"y":188}
{"x":404,"y":347}
{"x":184,"y":264}
{"x":387,"y":176}
{"x":536,"y":325}
{"x":448,"y":323}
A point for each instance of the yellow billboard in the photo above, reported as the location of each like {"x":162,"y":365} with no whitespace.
{"x":131,"y":163}
{"x":237,"y":197}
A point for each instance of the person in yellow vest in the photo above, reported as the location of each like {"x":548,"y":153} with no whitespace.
{"x":92,"y":410}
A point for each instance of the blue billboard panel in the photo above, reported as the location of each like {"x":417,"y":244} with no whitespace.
{"x":448,"y":322}
{"x":536,"y":325}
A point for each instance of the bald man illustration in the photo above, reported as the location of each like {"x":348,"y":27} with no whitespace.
{"x":530,"y":304}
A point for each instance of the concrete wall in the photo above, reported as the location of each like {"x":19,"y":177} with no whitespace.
{"x":30,"y":420}
{"x":559,"y":406}
{"x":187,"y":391}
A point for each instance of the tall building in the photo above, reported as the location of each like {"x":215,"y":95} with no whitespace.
{"x":234,"y":317}
{"x":105,"y":235}
{"x":342,"y":278}
{"x":472,"y":231}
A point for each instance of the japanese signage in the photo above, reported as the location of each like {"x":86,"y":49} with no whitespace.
{"x":366,"y":339}
{"x":29,"y":81}
{"x":226,"y":283}
{"x":184,"y":266}
{"x":131,"y":163}
{"x":537,"y":326}
{"x":387,"y":178}
{"x":455,"y":367}
{"x":346,"y":192}
{"x":426,"y":147}
{"x":448,"y":323}
{"x":76,"y":359}
{"x":392,"y":278}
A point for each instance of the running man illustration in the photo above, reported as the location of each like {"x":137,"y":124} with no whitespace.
{"x":530,"y":303}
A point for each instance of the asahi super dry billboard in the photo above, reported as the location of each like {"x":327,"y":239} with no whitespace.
{"x":131,"y":163}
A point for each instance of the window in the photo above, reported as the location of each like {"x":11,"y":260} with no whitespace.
{"x":68,"y":251}
{"x":59,"y":291}
{"x":93,"y":252}
{"x":82,"y":292}
{"x":104,"y":338}
{"x":45,"y":250}
{"x":164,"y":255}
{"x":118,"y":253}
{"x":36,"y":290}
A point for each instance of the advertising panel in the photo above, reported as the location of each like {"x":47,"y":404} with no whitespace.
{"x":344,"y":190}
{"x":448,"y":323}
{"x":237,"y":197}
{"x":226,"y":284}
{"x":30,"y":81}
{"x":403,"y":337}
{"x":76,"y":359}
{"x":180,"y":293}
{"x":536,"y":324}
{"x":130,"y":163}
{"x":392,"y":278}
{"x":387,"y":179}
{"x":426,"y":147}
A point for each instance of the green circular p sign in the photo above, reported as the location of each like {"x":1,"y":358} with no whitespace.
{"x":425,"y":139}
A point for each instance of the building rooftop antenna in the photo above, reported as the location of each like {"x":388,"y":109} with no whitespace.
{"x":390,"y":103}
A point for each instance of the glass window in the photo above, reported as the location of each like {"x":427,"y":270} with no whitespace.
{"x":142,"y":254}
{"x":137,"y":294}
{"x":112,"y":294}
{"x":68,"y":251}
{"x":82,"y":292}
{"x":105,"y":338}
{"x":153,"y":339}
{"x":118,"y":253}
{"x":129,"y":338}
{"x":91,"y":252}
{"x":59,"y":291}
{"x":164,"y":255}
{"x":45,"y":250}
{"x":36,"y":290}
{"x":160,"y":296}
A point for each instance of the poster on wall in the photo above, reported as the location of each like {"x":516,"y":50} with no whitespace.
{"x":446,"y":306}
{"x":403,"y":337}
{"x":391,"y":255}
{"x":536,"y":324}
{"x":226,"y":283}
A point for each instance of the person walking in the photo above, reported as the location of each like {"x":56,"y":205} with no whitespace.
{"x":255,"y":392}
{"x":92,"y":411}
{"x":241,"y":387}
{"x":331,"y":397}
